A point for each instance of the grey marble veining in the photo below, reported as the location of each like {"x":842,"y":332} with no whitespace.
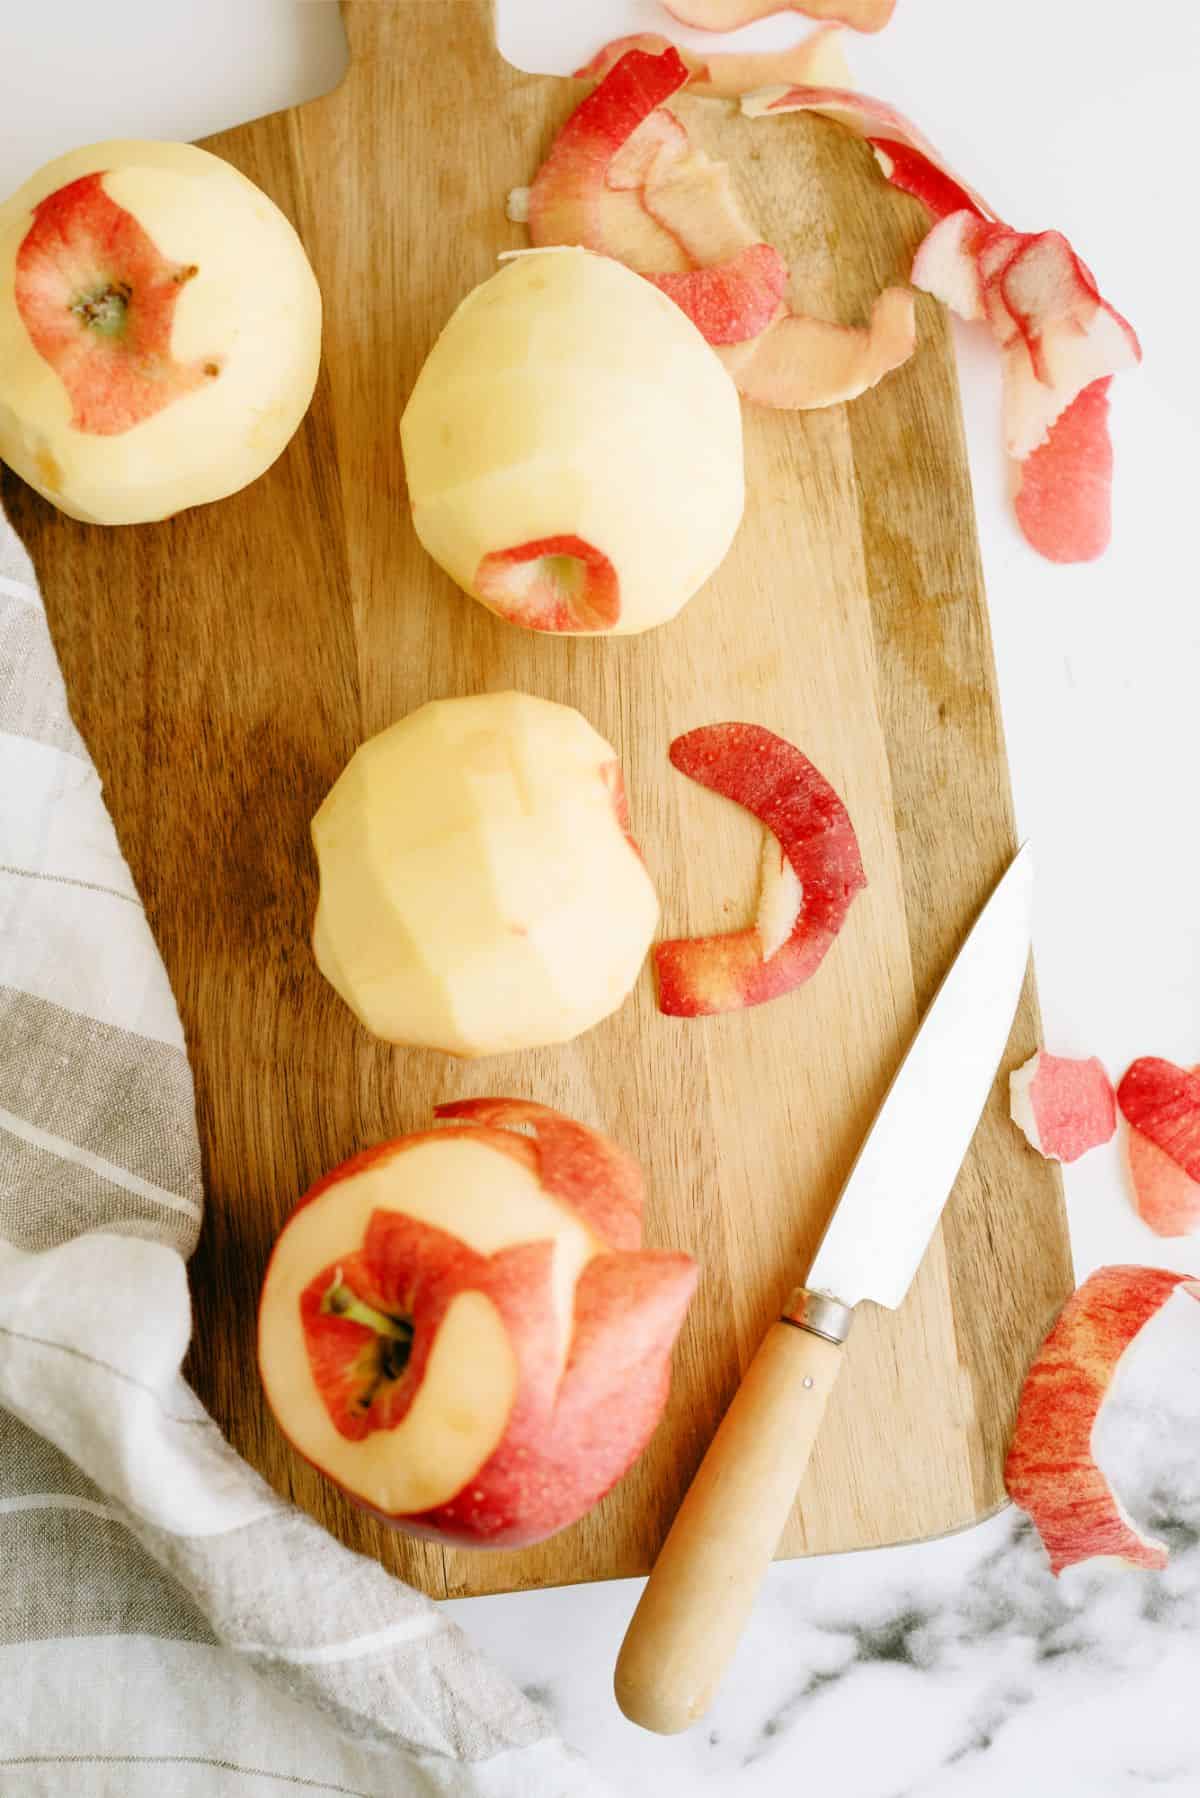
{"x":953,"y":1669}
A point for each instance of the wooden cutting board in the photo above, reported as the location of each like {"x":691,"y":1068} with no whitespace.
{"x":224,"y":665}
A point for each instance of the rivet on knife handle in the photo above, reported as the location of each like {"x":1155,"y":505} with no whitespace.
{"x":712,"y":1563}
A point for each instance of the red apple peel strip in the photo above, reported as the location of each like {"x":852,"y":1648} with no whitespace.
{"x":1161,"y":1104}
{"x":920,"y":170}
{"x":700,"y":976}
{"x":1051,"y":1471}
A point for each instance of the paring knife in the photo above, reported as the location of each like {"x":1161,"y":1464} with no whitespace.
{"x":712,"y":1563}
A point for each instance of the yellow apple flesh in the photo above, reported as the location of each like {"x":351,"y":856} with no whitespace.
{"x":160,"y":331}
{"x":573,"y":448}
{"x":478,"y":890}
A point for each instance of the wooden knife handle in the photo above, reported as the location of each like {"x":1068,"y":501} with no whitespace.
{"x":704,"y":1583}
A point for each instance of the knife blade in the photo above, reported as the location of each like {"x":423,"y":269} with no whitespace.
{"x":689,"y":1618}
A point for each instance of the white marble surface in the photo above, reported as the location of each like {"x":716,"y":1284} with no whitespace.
{"x":957,"y":1669}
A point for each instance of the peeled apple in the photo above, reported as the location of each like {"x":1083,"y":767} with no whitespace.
{"x":574,"y":448}
{"x":160,"y":331}
{"x":479,"y":890}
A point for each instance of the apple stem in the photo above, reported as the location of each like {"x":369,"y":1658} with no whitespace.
{"x":339,"y":1301}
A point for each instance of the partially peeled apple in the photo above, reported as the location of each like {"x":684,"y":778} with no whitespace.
{"x":463,"y":1330}
{"x":573,"y":448}
{"x":480,"y":891}
{"x":160,"y":331}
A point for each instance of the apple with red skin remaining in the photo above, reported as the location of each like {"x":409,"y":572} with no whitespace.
{"x":573,"y":447}
{"x":462,"y":1329}
{"x":160,"y":331}
{"x":480,"y":890}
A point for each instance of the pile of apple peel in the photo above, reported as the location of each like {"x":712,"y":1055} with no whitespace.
{"x":1051,"y":1470}
{"x":623,"y":179}
{"x":1061,"y":343}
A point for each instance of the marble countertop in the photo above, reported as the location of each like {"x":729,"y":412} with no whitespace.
{"x":956,"y":1669}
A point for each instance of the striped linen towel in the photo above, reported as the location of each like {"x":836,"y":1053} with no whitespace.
{"x":168,"y":1626}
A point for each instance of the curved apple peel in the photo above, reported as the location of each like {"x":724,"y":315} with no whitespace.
{"x":733,"y":301}
{"x":559,"y":584}
{"x":597,"y":1178}
{"x":700,"y":976}
{"x":1165,"y":1197}
{"x":1051,"y":1471}
{"x":881,"y":126}
{"x":1161,"y":1102}
{"x":569,"y":195}
{"x":731,"y":15}
{"x":571,"y":200}
{"x":1063,"y":497}
{"x":916,"y":174}
{"x":97,"y":299}
{"x":817,"y":60}
{"x":800,"y":363}
{"x":1063,"y":1106}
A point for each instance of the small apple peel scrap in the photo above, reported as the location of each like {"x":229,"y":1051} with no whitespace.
{"x":1065,"y":1107}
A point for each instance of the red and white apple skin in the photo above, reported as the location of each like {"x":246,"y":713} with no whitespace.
{"x":816,"y":60}
{"x":1161,"y":1105}
{"x":808,"y":884}
{"x":160,"y":331}
{"x":623,"y":161}
{"x":587,"y":193}
{"x":462,"y":1329}
{"x":731,"y":15}
{"x":480,"y":891}
{"x":904,"y":154}
{"x":1064,"y":1107}
{"x":1051,"y":1470}
{"x":574,"y":448}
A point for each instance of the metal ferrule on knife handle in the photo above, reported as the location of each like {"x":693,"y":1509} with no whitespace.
{"x":819,"y":1314}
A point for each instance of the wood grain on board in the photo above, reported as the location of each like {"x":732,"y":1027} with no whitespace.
{"x":225,"y":664}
